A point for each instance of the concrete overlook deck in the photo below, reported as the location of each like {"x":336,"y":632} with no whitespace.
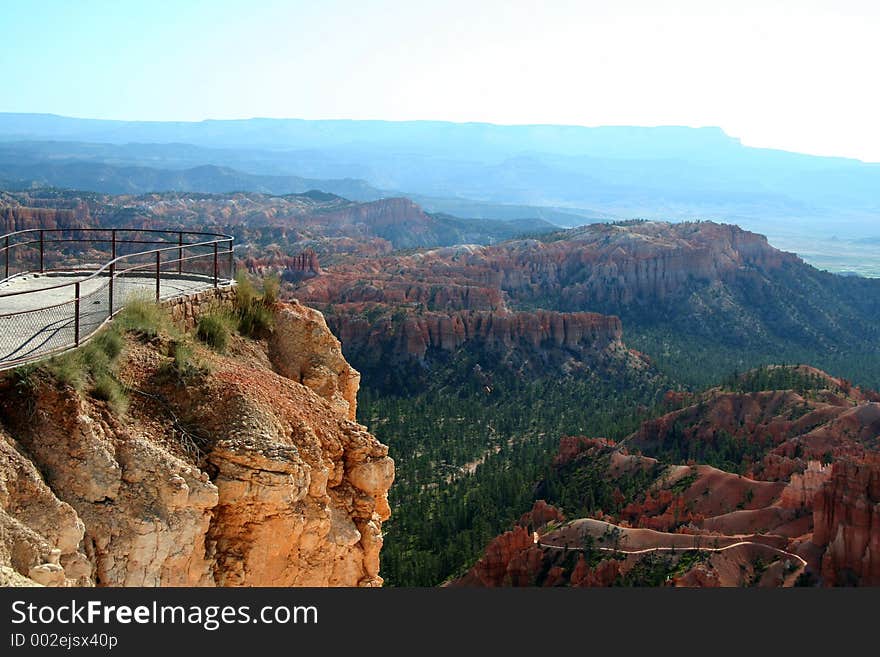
{"x":46,"y":310}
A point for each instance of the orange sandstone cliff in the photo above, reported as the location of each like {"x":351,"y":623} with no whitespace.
{"x":247,"y":470}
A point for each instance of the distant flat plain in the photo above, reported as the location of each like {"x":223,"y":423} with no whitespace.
{"x":842,"y":256}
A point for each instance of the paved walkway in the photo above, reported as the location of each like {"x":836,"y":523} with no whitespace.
{"x":42,"y":321}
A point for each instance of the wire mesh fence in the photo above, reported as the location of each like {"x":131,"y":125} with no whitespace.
{"x":32,"y":333}
{"x":79,"y":278}
{"x":94,"y":310}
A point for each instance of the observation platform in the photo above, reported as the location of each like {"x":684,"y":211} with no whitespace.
{"x":52,"y":300}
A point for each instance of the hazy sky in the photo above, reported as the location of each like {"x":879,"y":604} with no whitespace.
{"x":800,"y":75}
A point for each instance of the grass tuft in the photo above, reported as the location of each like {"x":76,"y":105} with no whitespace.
{"x":69,"y":369}
{"x":253,"y":308}
{"x":271,"y":289}
{"x":106,"y":387}
{"x":92,"y":367}
{"x":215,"y":329}
{"x":142,"y":315}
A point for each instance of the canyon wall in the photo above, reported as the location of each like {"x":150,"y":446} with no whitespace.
{"x":596,"y":267}
{"x":623,"y":264}
{"x":413,"y":335}
{"x":17,"y":217}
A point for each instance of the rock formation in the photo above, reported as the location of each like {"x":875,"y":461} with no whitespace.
{"x":15,"y":217}
{"x":306,"y":263}
{"x":846,"y":515}
{"x":33,"y":521}
{"x":303,"y":349}
{"x":791,"y":518}
{"x":241,"y":476}
{"x":803,"y":487}
{"x":716,"y":281}
{"x":788,"y":428}
{"x":413,"y":335}
{"x":596,"y":266}
{"x":288,"y":267}
{"x":493,"y":569}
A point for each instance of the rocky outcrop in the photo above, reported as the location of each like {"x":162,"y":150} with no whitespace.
{"x":540,"y":515}
{"x":303,"y":349}
{"x":305,"y":264}
{"x":420,"y":294}
{"x":145,"y":511}
{"x":237,"y":476}
{"x":619,"y":264}
{"x":513,"y":558}
{"x":846,"y":517}
{"x":803,"y":487}
{"x":570,"y":447}
{"x":603,"y":574}
{"x":157,"y":535}
{"x":784,"y":429}
{"x":398,"y":220}
{"x":288,"y":267}
{"x":36,"y":528}
{"x":717,"y":281}
{"x":493,"y":568}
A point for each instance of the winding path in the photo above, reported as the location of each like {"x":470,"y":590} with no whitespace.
{"x":776,"y":550}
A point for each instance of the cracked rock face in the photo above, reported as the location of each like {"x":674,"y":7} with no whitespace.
{"x":33,"y":521}
{"x":303,"y":349}
{"x":285,"y":489}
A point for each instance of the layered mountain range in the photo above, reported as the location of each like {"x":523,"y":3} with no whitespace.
{"x":621,"y":171}
{"x":680,"y":290}
{"x":603,"y":265}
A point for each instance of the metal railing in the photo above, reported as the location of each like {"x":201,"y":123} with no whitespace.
{"x":105,"y":268}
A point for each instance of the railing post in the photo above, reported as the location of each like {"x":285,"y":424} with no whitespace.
{"x":76,"y":318}
{"x":158,"y":261}
{"x":215,"y":264}
{"x":180,"y":252}
{"x":112,"y":267}
{"x":231,"y":263}
{"x":41,"y":251}
{"x":112,"y":276}
{"x":6,"y":251}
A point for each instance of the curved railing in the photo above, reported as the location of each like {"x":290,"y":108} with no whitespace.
{"x":60,"y":285}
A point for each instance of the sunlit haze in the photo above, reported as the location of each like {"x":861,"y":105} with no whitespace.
{"x":797,"y":75}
